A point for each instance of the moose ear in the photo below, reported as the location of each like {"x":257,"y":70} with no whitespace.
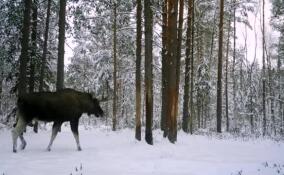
{"x":93,"y":95}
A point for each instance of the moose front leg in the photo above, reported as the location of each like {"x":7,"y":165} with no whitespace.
{"x":74,"y":128}
{"x":55,"y":128}
{"x":18,"y":131}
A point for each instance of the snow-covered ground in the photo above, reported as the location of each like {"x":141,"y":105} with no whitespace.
{"x":117,"y":153}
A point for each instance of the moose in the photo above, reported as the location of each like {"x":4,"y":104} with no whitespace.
{"x":58,"y":107}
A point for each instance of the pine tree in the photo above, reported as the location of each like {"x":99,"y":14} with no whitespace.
{"x":185,"y":118}
{"x":114,"y":120}
{"x":191,"y":69}
{"x":171,"y":62}
{"x":226,"y":75}
{"x":61,"y":39}
{"x":33,"y":57}
{"x":219,"y":81}
{"x":179,"y":44}
{"x":138,"y":70}
{"x":148,"y":20}
{"x":44,"y":53}
{"x":263,"y":70}
{"x":24,"y":57}
{"x":164,"y":69}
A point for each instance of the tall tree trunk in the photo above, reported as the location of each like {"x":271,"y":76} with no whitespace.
{"x":219,"y":78}
{"x":185,"y":113}
{"x":114,"y":68}
{"x":234,"y":63}
{"x":61,"y":42}
{"x":279,"y":88}
{"x":244,"y":90}
{"x":33,"y":54}
{"x":271,"y":94}
{"x":250,"y":98}
{"x":107,"y":109}
{"x":172,"y":66}
{"x":199,"y":99}
{"x":226,"y":76}
{"x":179,"y":44}
{"x":212,"y":39}
{"x":208,"y":99}
{"x":164,"y":69}
{"x":263,"y":70}
{"x":138,"y":69}
{"x":198,"y":92}
{"x":43,"y":61}
{"x":148,"y":18}
{"x":178,"y":59}
{"x":281,"y":105}
{"x":33,"y":47}
{"x":24,"y":57}
{"x":191,"y":74}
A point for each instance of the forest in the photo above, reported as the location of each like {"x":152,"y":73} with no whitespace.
{"x":182,"y":62}
{"x":165,"y":71}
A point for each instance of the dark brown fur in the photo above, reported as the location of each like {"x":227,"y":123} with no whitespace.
{"x":65,"y":105}
{"x":58,"y":107}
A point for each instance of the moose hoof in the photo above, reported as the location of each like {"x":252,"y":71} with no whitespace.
{"x":48,"y":149}
{"x":14,"y":151}
{"x":79,"y":149}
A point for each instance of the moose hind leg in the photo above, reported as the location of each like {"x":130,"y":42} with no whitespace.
{"x":24,"y":143}
{"x":18,"y":131}
{"x":55,"y":129}
{"x":74,"y":128}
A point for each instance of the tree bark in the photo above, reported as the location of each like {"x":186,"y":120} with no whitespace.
{"x":172,"y":68}
{"x":219,"y":78}
{"x":279,"y":88}
{"x":234,"y":64}
{"x":179,"y":40}
{"x":34,"y":47}
{"x":24,"y":57}
{"x":61,"y":39}
{"x":212,"y":40}
{"x":43,"y":61}
{"x":164,"y":69}
{"x":199,"y":99}
{"x":33,"y":54}
{"x":263,"y":70}
{"x":251,"y":99}
{"x":226,"y":75}
{"x":191,"y":74}
{"x":271,"y":94}
{"x":114,"y":67}
{"x":185,"y":113}
{"x":138,"y":69}
{"x":148,"y":18}
{"x":178,"y":58}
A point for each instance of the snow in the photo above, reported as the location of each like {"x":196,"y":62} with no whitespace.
{"x":108,"y":153}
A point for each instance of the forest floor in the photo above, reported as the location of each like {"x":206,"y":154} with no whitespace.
{"x":118,"y":153}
